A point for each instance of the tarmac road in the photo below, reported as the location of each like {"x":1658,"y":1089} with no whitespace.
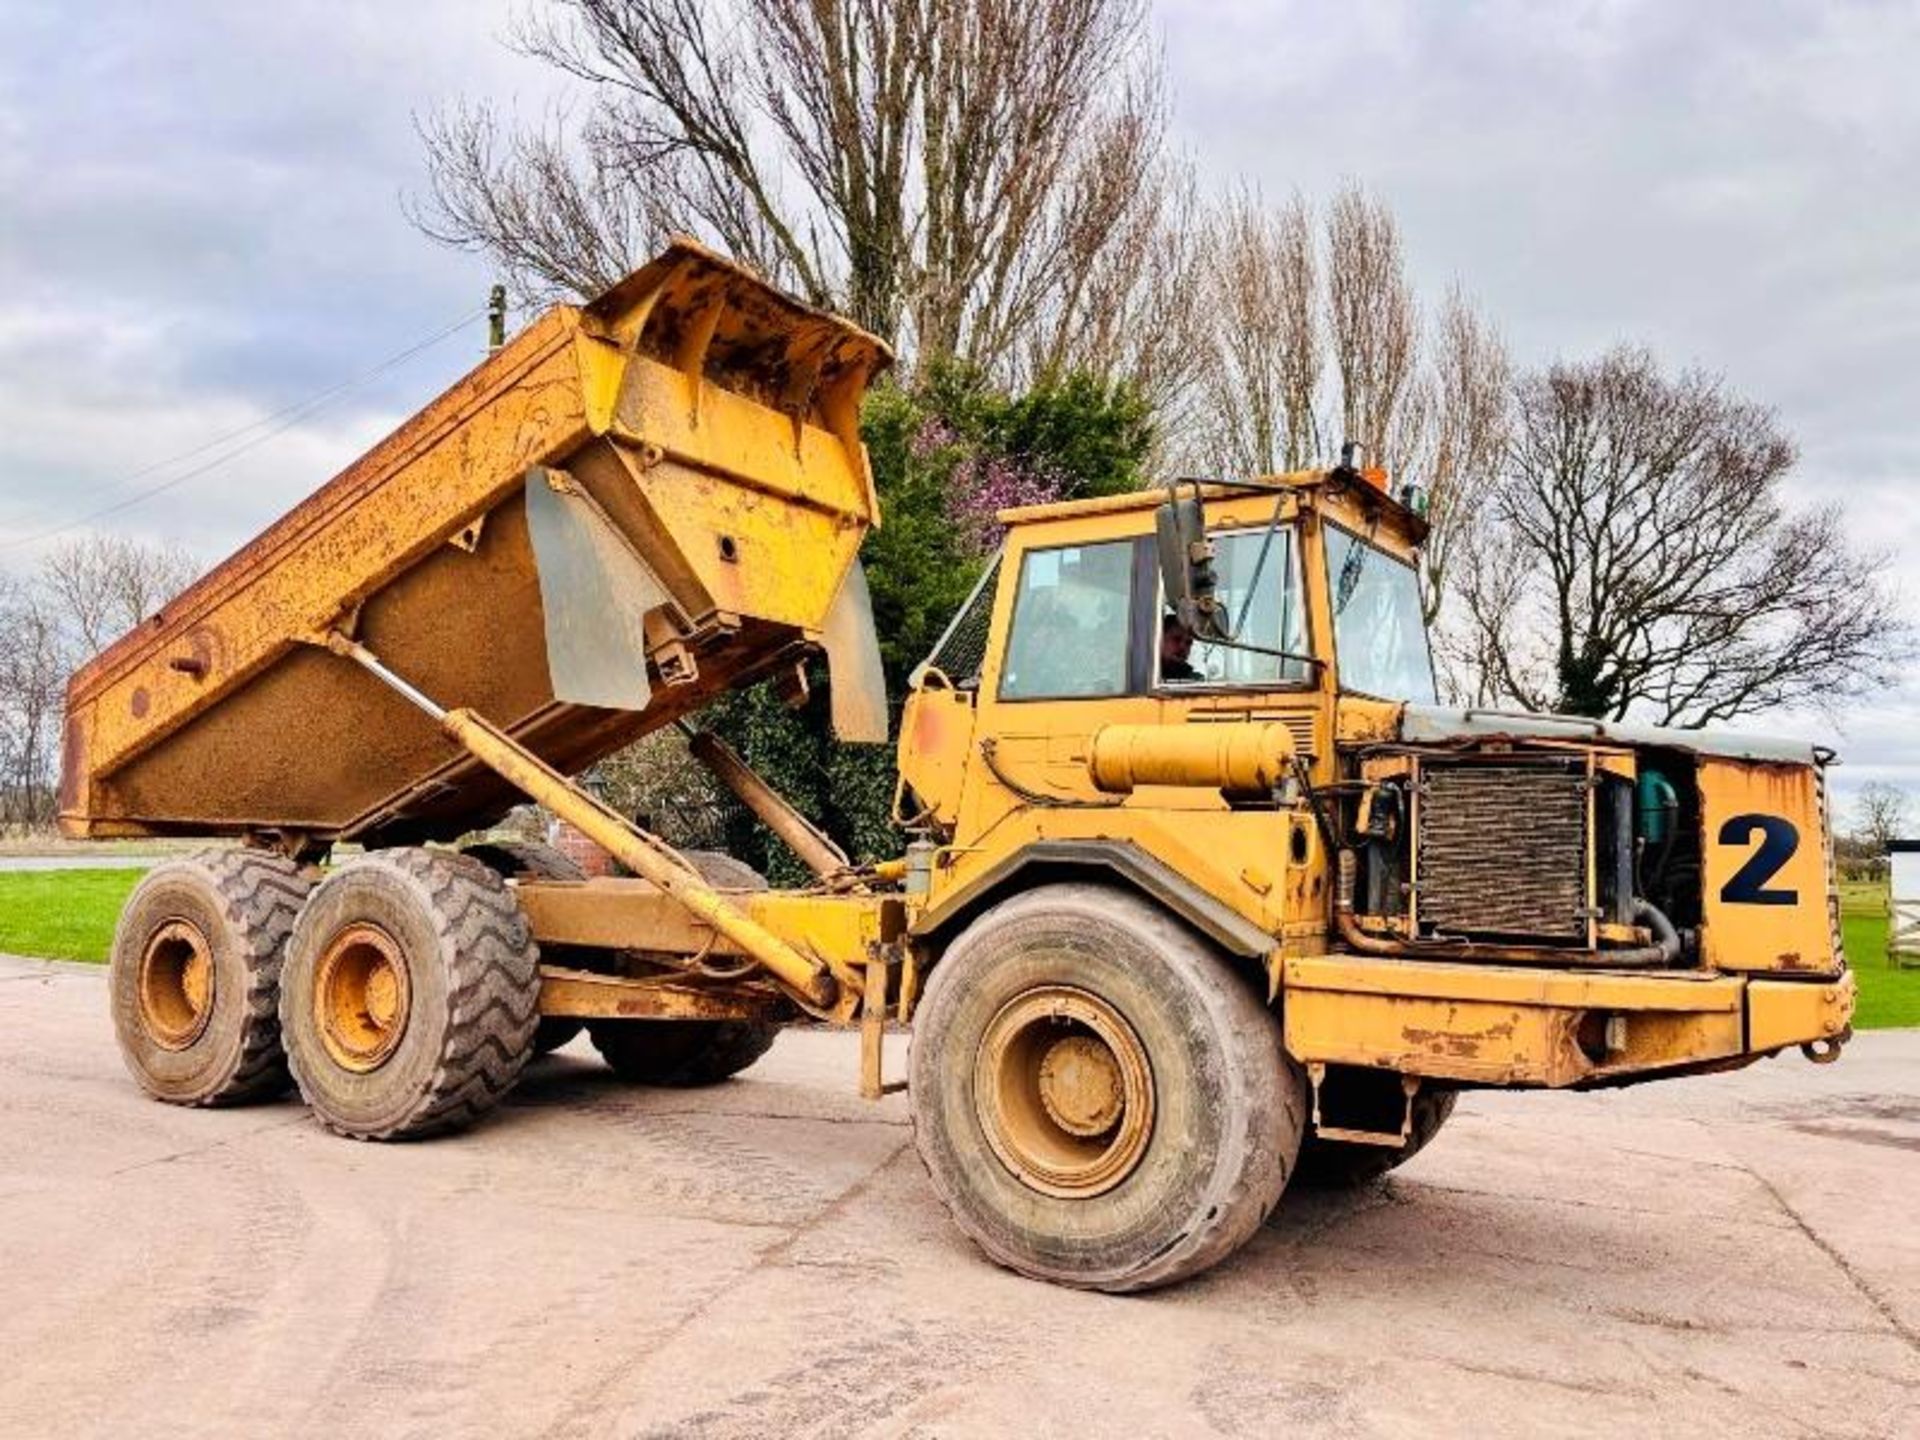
{"x":77,"y":860}
{"x":1724,"y":1256}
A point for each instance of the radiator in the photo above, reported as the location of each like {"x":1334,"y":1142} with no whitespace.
{"x":1502,"y":849}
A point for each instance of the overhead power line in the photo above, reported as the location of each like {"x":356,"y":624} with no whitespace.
{"x":278,"y":423}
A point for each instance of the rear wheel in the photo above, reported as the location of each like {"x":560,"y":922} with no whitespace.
{"x":511,"y":859}
{"x":688,"y":1053}
{"x":195,"y":976}
{"x":410,"y":995}
{"x":680,"y":1053}
{"x":1098,"y":1099}
{"x":535,"y":859}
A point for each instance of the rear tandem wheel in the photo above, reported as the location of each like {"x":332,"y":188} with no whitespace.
{"x":410,"y":994}
{"x":195,"y":972}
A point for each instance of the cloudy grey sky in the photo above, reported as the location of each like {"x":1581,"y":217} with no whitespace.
{"x":200,"y":222}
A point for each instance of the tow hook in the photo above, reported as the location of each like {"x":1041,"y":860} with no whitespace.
{"x":1825,"y":1052}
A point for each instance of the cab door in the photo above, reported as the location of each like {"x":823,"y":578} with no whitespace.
{"x":1071,"y":652}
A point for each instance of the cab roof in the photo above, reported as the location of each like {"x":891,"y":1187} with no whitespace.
{"x":1148,"y":498}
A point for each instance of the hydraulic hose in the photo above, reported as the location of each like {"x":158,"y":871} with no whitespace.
{"x":1666,"y":937}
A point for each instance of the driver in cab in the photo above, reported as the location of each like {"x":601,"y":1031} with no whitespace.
{"x":1176,"y":644}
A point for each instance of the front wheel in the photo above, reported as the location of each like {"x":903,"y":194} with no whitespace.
{"x":1099,"y":1100}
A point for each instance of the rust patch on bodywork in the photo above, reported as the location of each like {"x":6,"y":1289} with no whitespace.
{"x":1464,"y":1044}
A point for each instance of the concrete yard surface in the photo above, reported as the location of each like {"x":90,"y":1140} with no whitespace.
{"x":1735,"y":1255}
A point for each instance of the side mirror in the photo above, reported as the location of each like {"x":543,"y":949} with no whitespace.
{"x":1186,"y":565}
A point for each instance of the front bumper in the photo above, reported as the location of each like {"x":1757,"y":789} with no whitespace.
{"x":1504,"y":1025}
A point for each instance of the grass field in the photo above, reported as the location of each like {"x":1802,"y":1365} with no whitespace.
{"x":1888,"y":996}
{"x":69,"y":915}
{"x":62,"y":914}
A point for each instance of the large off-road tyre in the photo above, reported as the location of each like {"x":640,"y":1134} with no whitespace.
{"x":685,"y":1054}
{"x":1099,"y":1099}
{"x":534,"y":859}
{"x":196,"y":971}
{"x":680,"y":1054}
{"x":1343,"y":1165}
{"x":410,"y":995}
{"x":511,"y":859}
{"x":723,"y":872}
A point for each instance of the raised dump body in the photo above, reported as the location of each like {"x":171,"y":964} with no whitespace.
{"x":592,"y":533}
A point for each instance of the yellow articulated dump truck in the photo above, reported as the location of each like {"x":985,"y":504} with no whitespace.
{"x":1205,"y":894}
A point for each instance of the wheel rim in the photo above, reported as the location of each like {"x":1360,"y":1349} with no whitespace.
{"x":361,"y":997}
{"x":1064,"y":1091}
{"x":176,"y":985}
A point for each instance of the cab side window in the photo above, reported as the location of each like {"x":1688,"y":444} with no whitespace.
{"x":1260,"y":585}
{"x":1071,"y":618}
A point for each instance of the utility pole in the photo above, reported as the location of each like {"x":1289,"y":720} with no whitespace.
{"x":496,"y":318}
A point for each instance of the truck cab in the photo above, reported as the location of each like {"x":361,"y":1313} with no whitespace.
{"x":1448,"y":896}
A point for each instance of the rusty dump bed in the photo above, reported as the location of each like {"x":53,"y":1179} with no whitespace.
{"x":682,"y":456}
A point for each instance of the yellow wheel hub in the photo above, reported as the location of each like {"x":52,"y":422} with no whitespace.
{"x":361,"y":998}
{"x":1081,"y":1086}
{"x":176,"y":985}
{"x":1064,"y":1092}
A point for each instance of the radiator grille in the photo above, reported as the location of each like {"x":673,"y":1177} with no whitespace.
{"x":1503,"y":850}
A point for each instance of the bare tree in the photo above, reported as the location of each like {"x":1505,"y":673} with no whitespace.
{"x":1041,"y":126}
{"x":1424,"y":400}
{"x":1373,"y":324}
{"x":84,"y":594}
{"x":1642,"y":558}
{"x":1427,"y":397}
{"x":1266,"y":351}
{"x":1485,"y":655}
{"x":949,"y":172}
{"x":1125,"y":263}
{"x":556,"y":225}
{"x":1464,"y":407}
{"x":35,"y":658}
{"x":103,"y":585}
{"x":1880,"y":815}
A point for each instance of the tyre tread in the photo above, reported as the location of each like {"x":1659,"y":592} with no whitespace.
{"x":1270,"y":1100}
{"x":493,"y":991}
{"x":258,"y":893}
{"x":537,"y":860}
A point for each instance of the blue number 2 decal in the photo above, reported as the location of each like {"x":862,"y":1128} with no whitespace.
{"x":1778,"y":840}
